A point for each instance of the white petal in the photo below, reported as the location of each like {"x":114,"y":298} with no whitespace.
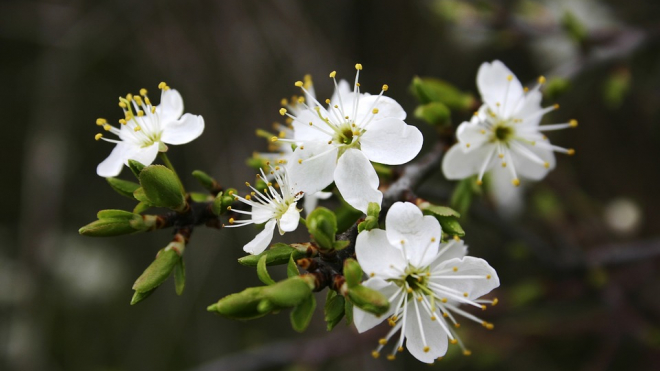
{"x":420,"y":234}
{"x":377,"y":256}
{"x":507,"y":198}
{"x":457,"y":164}
{"x":531,"y":169}
{"x":471,"y":136}
{"x":450,"y":250}
{"x":170,"y":107}
{"x":289,"y":221}
{"x":143,"y":155}
{"x":527,"y":111}
{"x":475,"y":287}
{"x":261,"y":240}
{"x":499,"y":88}
{"x":303,"y":132}
{"x":391,"y":141}
{"x":184,"y":130}
{"x":311,"y":176}
{"x":364,"y":320}
{"x":387,"y":108}
{"x":357,"y":180}
{"x":261,"y":214}
{"x":435,"y":336}
{"x":114,"y":163}
{"x":310,"y":201}
{"x":346,"y":93}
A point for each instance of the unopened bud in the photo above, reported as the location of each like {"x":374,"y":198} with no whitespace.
{"x":352,"y":272}
{"x":368,"y":300}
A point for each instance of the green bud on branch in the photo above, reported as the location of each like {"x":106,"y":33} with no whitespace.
{"x":322,"y":225}
{"x":162,"y":188}
{"x":352,"y":272}
{"x":368,"y":300}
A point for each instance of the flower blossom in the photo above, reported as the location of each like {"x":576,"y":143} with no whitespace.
{"x":504,"y":135}
{"x":337,"y":143}
{"x":424,"y":280}
{"x":270,"y":207}
{"x":146,"y":129}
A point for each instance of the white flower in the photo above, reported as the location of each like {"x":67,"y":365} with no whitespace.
{"x":337,"y":143}
{"x":424,"y":280}
{"x":270,"y":207}
{"x":146,"y":129}
{"x":504,"y":135}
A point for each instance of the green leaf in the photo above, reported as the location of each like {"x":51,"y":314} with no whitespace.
{"x":123,"y":187}
{"x":368,"y":300}
{"x":302,"y":313}
{"x":352,"y":272}
{"x":262,"y":272}
{"x":135,"y":167}
{"x":292,"y":268}
{"x":342,"y":244}
{"x":141,"y":207}
{"x":206,"y":181}
{"x":428,"y":90}
{"x":139,"y":195}
{"x":450,"y":226}
{"x":139,"y":296}
{"x":162,"y":187}
{"x":322,"y":225}
{"x":371,"y":221}
{"x":216,"y":207}
{"x":158,"y":271}
{"x":434,"y":113}
{"x":334,"y":309}
{"x":348,"y":311}
{"x":180,"y":276}
{"x":277,"y":254}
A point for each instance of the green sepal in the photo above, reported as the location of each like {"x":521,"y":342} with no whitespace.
{"x":262,"y":272}
{"x":434,"y":113}
{"x":368,"y":300}
{"x":206,"y":181}
{"x":301,"y":315}
{"x":450,"y":226}
{"x":322,"y":225}
{"x":288,"y":293}
{"x":278,"y":254}
{"x":158,"y":271}
{"x":428,"y":90}
{"x":341,"y":244}
{"x":352,"y":272}
{"x":180,"y":276}
{"x":136,"y":167}
{"x":139,"y":296}
{"x":371,"y":221}
{"x":216,"y":207}
{"x":334,"y":309}
{"x":123,"y":187}
{"x":198,"y":196}
{"x":162,"y":187}
{"x":141,"y":196}
{"x":292,"y":268}
{"x":243,"y":305}
{"x":113,"y":223}
{"x":141,"y":207}
{"x":228,"y":198}
{"x":348,"y":312}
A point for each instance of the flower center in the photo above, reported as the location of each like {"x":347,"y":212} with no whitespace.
{"x":502,"y":132}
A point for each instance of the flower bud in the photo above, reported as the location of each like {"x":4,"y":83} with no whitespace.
{"x":288,"y":293}
{"x":162,"y":187}
{"x":352,"y":272}
{"x":277,"y":254}
{"x":322,"y":225}
{"x":368,"y":300}
{"x":158,"y":271}
{"x":246,"y":304}
{"x":434,"y":113}
{"x":114,"y":223}
{"x":206,"y":181}
{"x":123,"y":187}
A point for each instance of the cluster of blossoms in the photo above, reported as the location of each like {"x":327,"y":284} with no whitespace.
{"x":424,"y":277}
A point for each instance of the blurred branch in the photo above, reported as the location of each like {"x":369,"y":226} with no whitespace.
{"x":623,"y":253}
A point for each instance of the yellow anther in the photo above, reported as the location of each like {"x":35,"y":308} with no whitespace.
{"x":546,"y":165}
{"x":501,"y":155}
{"x":247,"y":184}
{"x":495,"y":301}
{"x":300,"y":161}
{"x":153,"y":109}
{"x":456,"y":238}
{"x":281,"y":134}
{"x":391,"y":357}
{"x":444,"y":300}
{"x":541,"y":79}
{"x":432,"y":239}
{"x":467,"y":352}
{"x":98,"y":136}
{"x":525,"y":89}
{"x":107,"y":127}
{"x":329,"y":142}
{"x":516,"y":182}
{"x":137,"y":128}
{"x":358,"y":67}
{"x":419,"y":299}
{"x":479,"y":182}
{"x":274,"y":139}
{"x":428,"y":274}
{"x":399,"y":349}
{"x":455,"y":269}
{"x":122,"y":104}
{"x":122,"y":121}
{"x":504,"y":164}
{"x":147,"y":101}
{"x":140,"y":113}
{"x":162,"y":85}
{"x":284,"y":102}
{"x":143,"y":92}
{"x":375,"y":354}
{"x":433,"y":318}
{"x":488,"y":276}
{"x":439,"y":359}
{"x":445,"y":314}
{"x":403,"y":242}
{"x":138,"y":99}
{"x":467,"y":145}
{"x":483,"y":307}
{"x":327,"y":101}
{"x":299,"y":84}
{"x":453,"y":341}
{"x":382,"y":341}
{"x":231,"y":220}
{"x":129,"y":97}
{"x":333,"y":74}
{"x":483,"y":131}
{"x":101,"y":122}
{"x":426,"y":349}
{"x":248,"y":197}
{"x":465,"y":294}
{"x":498,"y":104}
{"x":282,"y":111}
{"x":385,"y":87}
{"x":409,"y":290}
{"x":487,"y":325}
{"x":230,"y":192}
{"x":228,"y":207}
{"x":509,"y":78}
{"x":457,"y":325}
{"x":573,"y":123}
{"x":372,"y":274}
{"x":357,"y":84}
{"x":374,"y":111}
{"x":555,"y":106}
{"x":570,"y":152}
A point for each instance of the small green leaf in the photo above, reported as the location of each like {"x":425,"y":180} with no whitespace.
{"x":292,"y":268}
{"x":342,"y":244}
{"x":322,"y":225}
{"x":139,"y":296}
{"x":135,"y":167}
{"x":216,"y":207}
{"x":123,"y":187}
{"x":430,"y":209}
{"x":141,"y":207}
{"x":334,"y":309}
{"x":450,"y":226}
{"x":352,"y":272}
{"x":434,"y":113}
{"x":348,"y":311}
{"x":262,"y":272}
{"x":116,"y":214}
{"x":139,"y":195}
{"x":302,"y":313}
{"x":157,"y":272}
{"x":206,"y":181}
{"x":180,"y":276}
{"x":162,"y":187}
{"x":463,"y":194}
{"x":279,"y":253}
{"x":199,"y":197}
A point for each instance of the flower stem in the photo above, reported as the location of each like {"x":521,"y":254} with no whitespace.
{"x":166,"y":161}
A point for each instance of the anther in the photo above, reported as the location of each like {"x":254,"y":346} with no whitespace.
{"x":299,"y":84}
{"x":375,"y":354}
{"x":455,"y":269}
{"x":101,"y":122}
{"x":410,"y":290}
{"x":399,"y":349}
{"x":391,"y":357}
{"x":137,"y":128}
{"x":495,"y":301}
{"x":479,"y":182}
{"x":503,"y":164}
{"x":546,"y":165}
{"x":516,"y":182}
{"x":107,"y":127}
{"x":467,"y":145}
{"x":122,"y":121}
{"x":98,"y":136}
{"x":570,"y":151}
{"x":509,"y":78}
{"x":300,"y":161}
{"x":453,"y":341}
{"x":327,"y":101}
{"x":467,"y":352}
{"x":488,"y":276}
{"x":333,"y":74}
{"x":456,"y":238}
{"x":465,"y":294}
{"x":374,"y":111}
{"x":382,"y":341}
{"x":444,"y":300}
{"x":541,"y":80}
{"x":555,"y":106}
{"x":143,"y":92}
{"x":501,"y":155}
{"x":385,"y":87}
{"x":358,"y":67}
{"x":487,"y":325}
{"x":282,"y":111}
{"x":426,"y":349}
{"x":573,"y":123}
{"x":231,"y":220}
{"x":457,"y":325}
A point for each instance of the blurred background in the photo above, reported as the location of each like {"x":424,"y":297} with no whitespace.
{"x":578,"y":265}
